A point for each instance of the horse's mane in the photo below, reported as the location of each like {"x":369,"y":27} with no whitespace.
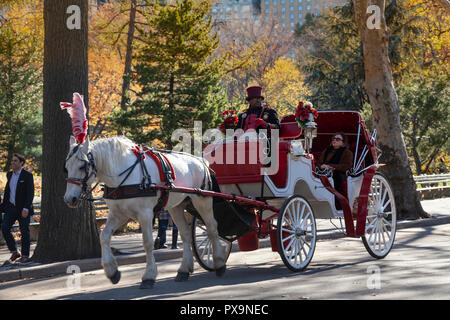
{"x":111,"y":151}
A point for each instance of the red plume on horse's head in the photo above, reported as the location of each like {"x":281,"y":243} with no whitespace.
{"x":77,"y":112}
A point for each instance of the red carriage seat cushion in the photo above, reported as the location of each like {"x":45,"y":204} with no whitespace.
{"x":235,"y":172}
{"x":289,"y":128}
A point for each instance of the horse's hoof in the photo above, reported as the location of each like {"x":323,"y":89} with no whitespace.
{"x":221,"y":271}
{"x":115,"y":278}
{"x":182,"y":276}
{"x":147,"y":284}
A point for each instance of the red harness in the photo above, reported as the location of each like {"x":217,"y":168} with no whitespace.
{"x":146,"y":188}
{"x":137,"y":150}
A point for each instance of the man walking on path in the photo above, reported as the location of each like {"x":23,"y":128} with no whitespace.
{"x":18,"y":205}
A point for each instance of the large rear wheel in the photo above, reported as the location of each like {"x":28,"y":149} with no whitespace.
{"x":381,"y":221}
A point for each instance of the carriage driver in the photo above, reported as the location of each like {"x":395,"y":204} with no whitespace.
{"x":257,"y":116}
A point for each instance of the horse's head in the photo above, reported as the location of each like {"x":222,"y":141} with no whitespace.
{"x":81,"y":172}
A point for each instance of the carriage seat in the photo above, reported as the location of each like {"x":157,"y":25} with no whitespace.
{"x":289,"y":128}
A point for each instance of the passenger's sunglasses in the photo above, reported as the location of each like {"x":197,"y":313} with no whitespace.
{"x":336,"y":139}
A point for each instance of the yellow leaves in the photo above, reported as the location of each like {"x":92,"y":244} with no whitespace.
{"x":283,"y":86}
{"x":105,"y":83}
{"x":27,"y":22}
{"x":433,"y":21}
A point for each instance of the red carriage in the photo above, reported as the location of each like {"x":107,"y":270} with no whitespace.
{"x":284,"y":204}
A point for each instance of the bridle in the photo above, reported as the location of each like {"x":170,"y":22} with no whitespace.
{"x":89,"y":170}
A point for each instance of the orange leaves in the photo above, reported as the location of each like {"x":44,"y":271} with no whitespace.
{"x":105,"y":83}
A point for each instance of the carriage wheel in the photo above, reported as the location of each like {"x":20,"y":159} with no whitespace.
{"x":381,"y":222}
{"x":202,"y":246}
{"x":296,"y":233}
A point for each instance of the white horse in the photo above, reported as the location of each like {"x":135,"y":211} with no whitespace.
{"x":106,"y":159}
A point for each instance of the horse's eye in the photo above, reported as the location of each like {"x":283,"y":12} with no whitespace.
{"x":84,"y":166}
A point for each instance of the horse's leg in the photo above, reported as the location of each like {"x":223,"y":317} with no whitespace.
{"x":149,"y":277}
{"x":187,"y":265}
{"x":204,"y":206}
{"x":109,"y":263}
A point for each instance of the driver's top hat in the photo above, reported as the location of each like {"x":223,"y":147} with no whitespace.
{"x":254,"y":92}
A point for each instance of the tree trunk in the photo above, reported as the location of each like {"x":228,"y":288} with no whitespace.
{"x":65,"y":234}
{"x":385,"y":110}
{"x":9,"y":154}
{"x":128,"y":56}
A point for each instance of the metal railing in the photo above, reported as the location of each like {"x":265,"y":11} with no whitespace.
{"x":432,"y":181}
{"x":428,"y":185}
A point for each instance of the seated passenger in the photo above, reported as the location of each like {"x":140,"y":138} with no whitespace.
{"x":337,"y":158}
{"x":257,"y":116}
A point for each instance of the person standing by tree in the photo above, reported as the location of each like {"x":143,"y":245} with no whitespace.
{"x":18,"y":205}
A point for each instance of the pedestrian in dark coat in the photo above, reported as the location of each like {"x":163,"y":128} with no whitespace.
{"x":18,"y":206}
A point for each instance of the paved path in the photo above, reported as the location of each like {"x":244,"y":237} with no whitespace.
{"x":416,"y":268}
{"x":131,"y":245}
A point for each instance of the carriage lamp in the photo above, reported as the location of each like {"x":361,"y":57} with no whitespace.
{"x":310,"y":133}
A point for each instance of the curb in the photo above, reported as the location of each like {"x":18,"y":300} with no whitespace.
{"x":60,"y":268}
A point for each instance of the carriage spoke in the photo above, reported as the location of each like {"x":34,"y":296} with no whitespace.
{"x":288,"y":237}
{"x":307,"y":226}
{"x":376,"y":235}
{"x":384,"y":195}
{"x":292,"y":250}
{"x":379,"y":192}
{"x":290,"y":244}
{"x":304,"y":220}
{"x":288,"y":230}
{"x":388,"y":232}
{"x":380,"y":234}
{"x":286,"y":220}
{"x":387,"y":223}
{"x":370,"y":225}
{"x":383,"y":231}
{"x":300,"y":248}
{"x":297,"y":207}
{"x":306,"y":242}
{"x":202,"y":242}
{"x":303,"y":247}
{"x":300,"y":217}
{"x":372,"y":232}
{"x":386,"y":204}
{"x":290,"y":219}
{"x":205,"y":248}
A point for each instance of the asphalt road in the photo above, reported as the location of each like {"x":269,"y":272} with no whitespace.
{"x":416,"y":268}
